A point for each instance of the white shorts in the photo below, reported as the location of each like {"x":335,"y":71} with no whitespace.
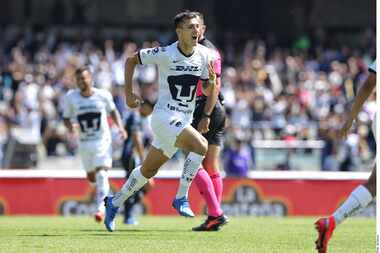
{"x":166,"y":126}
{"x":95,"y":154}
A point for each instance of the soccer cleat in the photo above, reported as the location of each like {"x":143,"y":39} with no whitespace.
{"x":212,"y":223}
{"x":99,"y":216}
{"x":325,"y":228}
{"x":111,"y":211}
{"x":183,"y":207}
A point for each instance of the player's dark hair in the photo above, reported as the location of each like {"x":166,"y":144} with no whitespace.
{"x":81,"y":69}
{"x":200,"y":16}
{"x":182,"y":16}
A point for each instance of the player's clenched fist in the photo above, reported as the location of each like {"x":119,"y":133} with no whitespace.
{"x":133,"y":100}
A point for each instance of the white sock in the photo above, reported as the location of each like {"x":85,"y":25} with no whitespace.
{"x":102,"y":187}
{"x":358,"y":200}
{"x":190,"y":169}
{"x":134,"y":183}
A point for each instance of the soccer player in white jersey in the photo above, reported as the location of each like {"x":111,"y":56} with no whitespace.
{"x":362,"y":195}
{"x":89,"y":107}
{"x":180,"y":66}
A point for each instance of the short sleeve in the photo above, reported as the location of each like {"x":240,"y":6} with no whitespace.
{"x":155,"y":55}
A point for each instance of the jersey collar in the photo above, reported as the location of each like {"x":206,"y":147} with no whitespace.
{"x":186,"y":55}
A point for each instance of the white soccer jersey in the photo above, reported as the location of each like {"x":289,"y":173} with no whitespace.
{"x":372,"y":67}
{"x":90,"y":113}
{"x":179,"y":75}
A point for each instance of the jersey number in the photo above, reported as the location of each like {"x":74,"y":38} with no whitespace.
{"x":89,"y":122}
{"x":183,"y":87}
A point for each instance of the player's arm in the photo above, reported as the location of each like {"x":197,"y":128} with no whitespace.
{"x":203,"y":126}
{"x":207,"y":88}
{"x":217,"y":64}
{"x":115,"y":115}
{"x":68,"y":125}
{"x":212,"y":96}
{"x":68,"y":114}
{"x":132,"y":99}
{"x":138,"y":144}
{"x":363,"y":94}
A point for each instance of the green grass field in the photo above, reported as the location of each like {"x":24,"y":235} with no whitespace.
{"x":173,"y":234}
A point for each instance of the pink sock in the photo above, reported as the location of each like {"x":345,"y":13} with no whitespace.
{"x":218,"y":185}
{"x":204,"y":184}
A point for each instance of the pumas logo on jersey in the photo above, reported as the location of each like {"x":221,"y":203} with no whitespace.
{"x":183,"y":87}
{"x":185,"y":68}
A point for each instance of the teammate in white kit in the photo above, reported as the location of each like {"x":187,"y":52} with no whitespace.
{"x":89,"y":107}
{"x":362,"y":195}
{"x":180,"y":66}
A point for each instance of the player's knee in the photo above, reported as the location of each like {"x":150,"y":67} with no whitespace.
{"x":203,"y":145}
{"x":91,"y":176}
{"x":370,"y":184}
{"x":148,"y":172}
{"x":371,"y":187}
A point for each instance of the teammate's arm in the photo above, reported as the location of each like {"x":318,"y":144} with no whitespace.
{"x":364,"y":92}
{"x":69,"y":125}
{"x":132,"y":99}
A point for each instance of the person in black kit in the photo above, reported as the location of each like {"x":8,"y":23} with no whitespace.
{"x":134,"y":144}
{"x":208,"y":179}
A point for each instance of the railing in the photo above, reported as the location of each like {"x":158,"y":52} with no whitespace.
{"x":284,"y":155}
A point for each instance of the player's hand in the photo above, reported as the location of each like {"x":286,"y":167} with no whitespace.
{"x":203,"y":125}
{"x":123,"y":133}
{"x":133,"y":100}
{"x":211,"y":73}
{"x":345,"y":129}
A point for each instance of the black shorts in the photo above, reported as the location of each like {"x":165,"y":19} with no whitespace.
{"x":217,"y":122}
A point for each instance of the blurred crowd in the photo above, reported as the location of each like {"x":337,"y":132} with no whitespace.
{"x":298,"y":92}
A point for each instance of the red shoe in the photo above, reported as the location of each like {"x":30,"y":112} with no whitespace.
{"x":99,"y":217}
{"x":325,"y":228}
